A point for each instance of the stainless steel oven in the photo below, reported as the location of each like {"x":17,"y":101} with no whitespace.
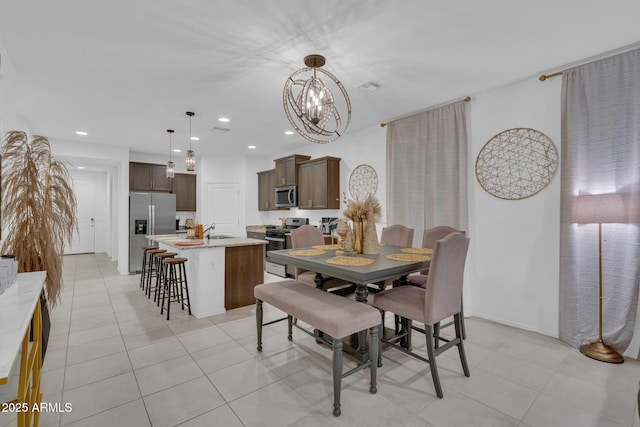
{"x":276,"y":240}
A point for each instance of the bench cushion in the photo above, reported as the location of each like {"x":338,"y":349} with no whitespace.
{"x":335,"y":315}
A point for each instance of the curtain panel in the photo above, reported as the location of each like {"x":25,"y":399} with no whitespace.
{"x":600,"y":155}
{"x":427,"y":170}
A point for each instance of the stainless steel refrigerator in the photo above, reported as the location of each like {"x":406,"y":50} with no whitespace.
{"x":149,"y":213}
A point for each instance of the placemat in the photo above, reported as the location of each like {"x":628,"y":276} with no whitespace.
{"x":327,"y":247}
{"x":350,"y":261}
{"x":408,"y":257}
{"x":307,"y":252}
{"x":419,"y":251}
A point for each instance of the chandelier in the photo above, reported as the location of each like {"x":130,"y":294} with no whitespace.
{"x":191,"y":159}
{"x":313,"y":106}
{"x":170,"y":165}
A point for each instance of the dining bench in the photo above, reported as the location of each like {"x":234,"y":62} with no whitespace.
{"x":336,"y":316}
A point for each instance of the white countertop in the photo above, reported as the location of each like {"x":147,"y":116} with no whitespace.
{"x":172,"y":239}
{"x":16,"y":308}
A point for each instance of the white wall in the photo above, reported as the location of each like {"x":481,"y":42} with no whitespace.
{"x":515,"y":244}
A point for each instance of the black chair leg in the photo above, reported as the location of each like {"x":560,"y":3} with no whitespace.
{"x":457,"y":318}
{"x":259,"y":316}
{"x":431,"y":354}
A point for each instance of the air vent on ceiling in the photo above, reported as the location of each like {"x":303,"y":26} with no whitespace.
{"x":370,"y":85}
{"x":219,"y":129}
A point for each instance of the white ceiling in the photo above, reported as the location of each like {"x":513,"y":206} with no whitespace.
{"x":126,"y":70}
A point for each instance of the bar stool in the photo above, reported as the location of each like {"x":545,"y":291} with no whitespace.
{"x":162,"y":270}
{"x":145,"y":264}
{"x":152,"y":269}
{"x":175,"y":284}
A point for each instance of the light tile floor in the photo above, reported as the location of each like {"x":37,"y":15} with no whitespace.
{"x":118,"y":362}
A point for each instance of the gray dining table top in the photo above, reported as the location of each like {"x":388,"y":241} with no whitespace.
{"x":381,"y":269}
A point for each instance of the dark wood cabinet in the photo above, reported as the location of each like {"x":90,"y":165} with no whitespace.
{"x":287,"y":169}
{"x":319,"y":183}
{"x":243,"y":270}
{"x":266,"y":190}
{"x":149,"y":177}
{"x":184,"y":187}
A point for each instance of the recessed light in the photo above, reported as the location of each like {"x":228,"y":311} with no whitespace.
{"x":176,"y":150}
{"x":195,"y":138}
{"x":251,"y":147}
{"x":81,"y":132}
{"x":80,"y":167}
{"x":289,"y":132}
{"x":223,"y":119}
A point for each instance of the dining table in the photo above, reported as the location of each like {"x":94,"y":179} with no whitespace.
{"x":380,"y":268}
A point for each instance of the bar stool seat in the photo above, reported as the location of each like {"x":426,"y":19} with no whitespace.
{"x":161,"y":274}
{"x":145,"y":264}
{"x":176,"y":288}
{"x":152,"y":269}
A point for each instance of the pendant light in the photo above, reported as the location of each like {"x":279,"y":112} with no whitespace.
{"x":170,"y":165}
{"x":191,"y":158}
{"x":318,"y":108}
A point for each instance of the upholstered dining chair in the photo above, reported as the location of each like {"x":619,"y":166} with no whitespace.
{"x":439,"y":300}
{"x":429,"y":239}
{"x":305,"y":237}
{"x":395,"y":235}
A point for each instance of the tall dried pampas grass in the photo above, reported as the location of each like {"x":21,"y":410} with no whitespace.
{"x":38,"y":208}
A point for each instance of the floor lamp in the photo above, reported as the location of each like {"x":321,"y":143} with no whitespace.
{"x":600,"y":209}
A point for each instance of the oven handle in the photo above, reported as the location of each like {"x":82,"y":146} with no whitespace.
{"x":274,"y":239}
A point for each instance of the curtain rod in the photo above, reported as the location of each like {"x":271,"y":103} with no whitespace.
{"x":604,"y":55}
{"x":467,"y":99}
{"x":544,"y":77}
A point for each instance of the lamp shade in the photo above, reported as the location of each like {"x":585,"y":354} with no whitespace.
{"x":600,"y":209}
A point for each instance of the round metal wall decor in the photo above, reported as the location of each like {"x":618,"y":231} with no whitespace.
{"x":363,"y":181}
{"x":516,"y":163}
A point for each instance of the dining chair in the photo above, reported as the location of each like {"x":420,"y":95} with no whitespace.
{"x":429,"y":239}
{"x":395,"y":235}
{"x":439,"y":300}
{"x":304,"y":237}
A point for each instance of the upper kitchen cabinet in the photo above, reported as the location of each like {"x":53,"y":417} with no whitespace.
{"x":184,"y":186}
{"x":266,"y":190}
{"x":319,"y":183}
{"x":149,"y":177}
{"x":287,"y":169}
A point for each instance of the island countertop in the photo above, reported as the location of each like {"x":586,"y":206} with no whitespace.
{"x":177,"y":241}
{"x":222,"y":271}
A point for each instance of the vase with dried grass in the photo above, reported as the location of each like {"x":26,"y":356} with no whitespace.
{"x":364,"y":214}
{"x":38,"y":208}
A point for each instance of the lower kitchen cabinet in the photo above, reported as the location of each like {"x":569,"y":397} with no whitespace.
{"x":243,"y":270}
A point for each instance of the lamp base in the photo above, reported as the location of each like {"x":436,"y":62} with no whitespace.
{"x":602,"y":352}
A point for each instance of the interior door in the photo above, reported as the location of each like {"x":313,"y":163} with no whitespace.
{"x":84,"y":239}
{"x":223,"y":208}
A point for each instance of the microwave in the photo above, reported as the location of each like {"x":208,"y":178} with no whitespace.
{"x":286,"y":197}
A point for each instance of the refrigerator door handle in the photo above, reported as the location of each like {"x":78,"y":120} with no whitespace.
{"x":150,"y":220}
{"x":153,"y":219}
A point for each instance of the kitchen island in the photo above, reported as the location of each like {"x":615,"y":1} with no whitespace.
{"x":221,"y":271}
